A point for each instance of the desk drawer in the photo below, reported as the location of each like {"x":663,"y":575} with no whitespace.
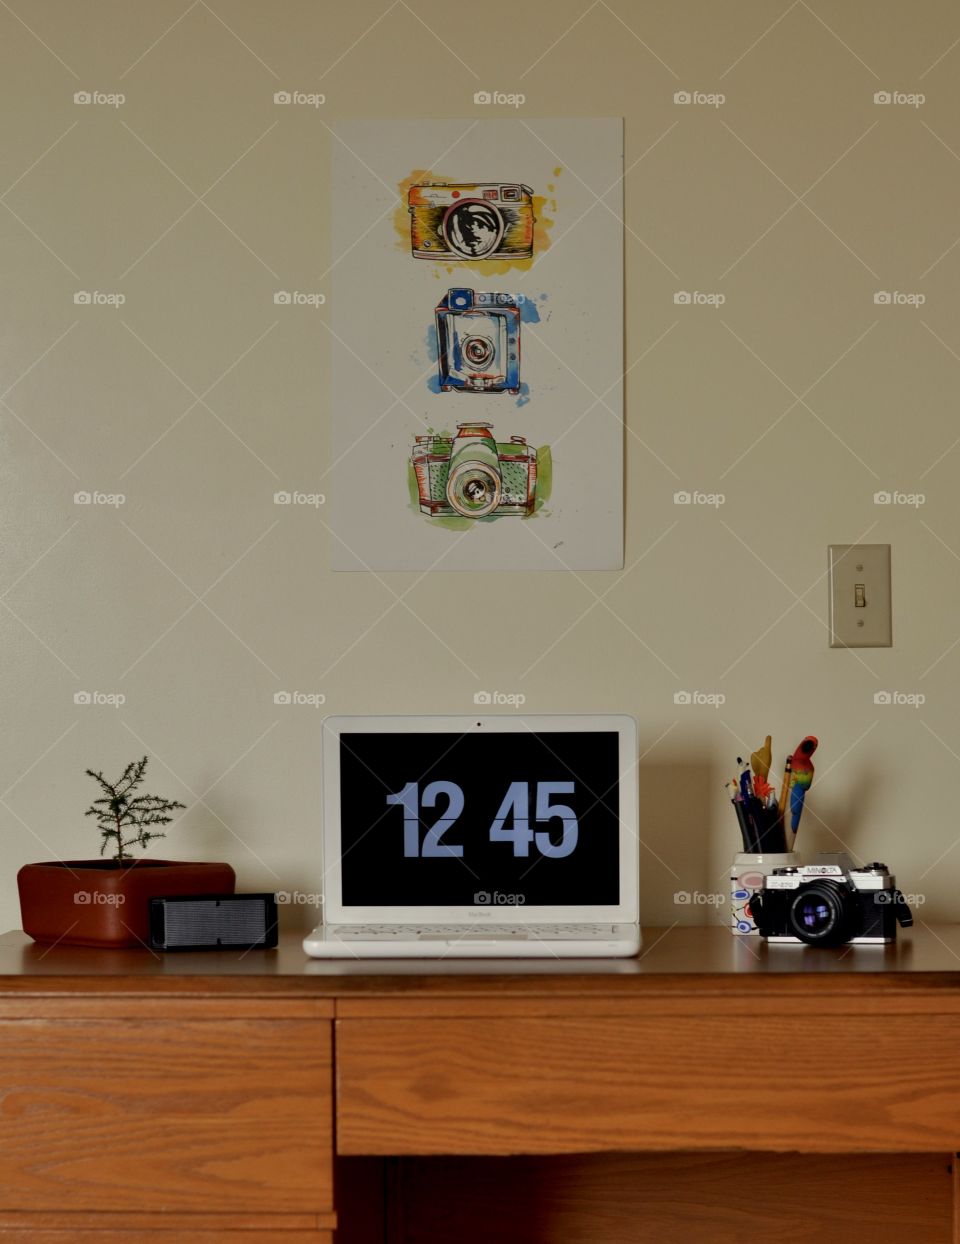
{"x":175,"y":1114}
{"x":814,"y":1083}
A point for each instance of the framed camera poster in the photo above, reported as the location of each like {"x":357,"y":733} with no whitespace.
{"x":476,"y":316}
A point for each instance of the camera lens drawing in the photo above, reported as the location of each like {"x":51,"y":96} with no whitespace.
{"x":473,"y":230}
{"x":478,"y":351}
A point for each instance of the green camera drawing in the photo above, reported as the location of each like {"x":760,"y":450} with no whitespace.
{"x":473,"y":475}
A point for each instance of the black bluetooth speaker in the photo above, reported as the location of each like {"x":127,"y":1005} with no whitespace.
{"x":214,"y":922}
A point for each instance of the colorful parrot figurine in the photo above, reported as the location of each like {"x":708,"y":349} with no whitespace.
{"x":801,"y":778}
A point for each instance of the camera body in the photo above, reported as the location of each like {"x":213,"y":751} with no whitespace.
{"x":830,"y":903}
{"x":478,"y":342}
{"x":473,"y":475}
{"x":470,"y":221}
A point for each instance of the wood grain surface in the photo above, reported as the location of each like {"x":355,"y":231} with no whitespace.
{"x":162,"y":1235}
{"x":233,"y":1115}
{"x":926,"y":958}
{"x":494,"y":1085}
{"x":173,"y":1098}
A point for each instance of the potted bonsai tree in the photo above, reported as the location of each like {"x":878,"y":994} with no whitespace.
{"x":106,"y":902}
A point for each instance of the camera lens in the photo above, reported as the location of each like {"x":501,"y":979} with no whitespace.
{"x":472,"y":228}
{"x":822,"y":914}
{"x":478,"y":351}
{"x":473,"y":489}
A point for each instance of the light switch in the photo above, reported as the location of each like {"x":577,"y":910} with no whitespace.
{"x":861,"y":607}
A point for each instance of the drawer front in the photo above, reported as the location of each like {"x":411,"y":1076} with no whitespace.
{"x":199,"y":1115}
{"x":815,"y":1083}
{"x":137,"y":1235}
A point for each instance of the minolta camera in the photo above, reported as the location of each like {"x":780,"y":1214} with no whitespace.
{"x":476,"y":220}
{"x":474,"y":475}
{"x":478,"y":342}
{"x":830,"y":903}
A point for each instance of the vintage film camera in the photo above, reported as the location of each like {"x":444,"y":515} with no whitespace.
{"x":830,"y":903}
{"x":474,"y":475}
{"x":475,"y":220}
{"x":478,"y":342}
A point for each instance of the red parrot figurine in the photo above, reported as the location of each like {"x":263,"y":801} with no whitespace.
{"x":801,"y":778}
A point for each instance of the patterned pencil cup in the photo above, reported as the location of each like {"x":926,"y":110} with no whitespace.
{"x":746,"y":875}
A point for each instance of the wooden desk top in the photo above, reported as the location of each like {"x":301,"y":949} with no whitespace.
{"x":679,"y":959}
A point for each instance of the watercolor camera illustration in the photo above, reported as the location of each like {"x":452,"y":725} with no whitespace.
{"x":476,"y":220}
{"x":474,"y":475}
{"x":478,"y":342}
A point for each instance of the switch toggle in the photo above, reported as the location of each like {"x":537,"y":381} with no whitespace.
{"x":861,"y":609}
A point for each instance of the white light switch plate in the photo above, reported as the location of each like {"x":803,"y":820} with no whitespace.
{"x":861,"y":606}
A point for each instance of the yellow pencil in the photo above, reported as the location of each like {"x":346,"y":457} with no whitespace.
{"x":785,"y":788}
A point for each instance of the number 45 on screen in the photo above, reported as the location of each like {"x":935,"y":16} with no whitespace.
{"x":515,"y":808}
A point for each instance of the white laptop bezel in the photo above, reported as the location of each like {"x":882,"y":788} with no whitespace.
{"x":624,"y":912}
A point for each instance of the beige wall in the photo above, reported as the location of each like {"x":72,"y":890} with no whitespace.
{"x":198,"y":599}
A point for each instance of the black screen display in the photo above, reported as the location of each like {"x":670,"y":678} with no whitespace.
{"x":499,"y":820}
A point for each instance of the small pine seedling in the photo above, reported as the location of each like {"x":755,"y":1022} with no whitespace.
{"x":124,"y":819}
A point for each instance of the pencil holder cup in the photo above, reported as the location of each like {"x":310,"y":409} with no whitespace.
{"x":746,"y":875}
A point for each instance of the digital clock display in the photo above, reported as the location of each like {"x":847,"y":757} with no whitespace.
{"x":478,"y":819}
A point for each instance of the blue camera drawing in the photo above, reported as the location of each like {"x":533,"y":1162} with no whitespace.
{"x":478,"y":342}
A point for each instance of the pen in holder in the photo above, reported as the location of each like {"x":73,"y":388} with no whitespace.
{"x":746,"y":875}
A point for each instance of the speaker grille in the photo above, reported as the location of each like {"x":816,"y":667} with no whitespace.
{"x":233,"y":921}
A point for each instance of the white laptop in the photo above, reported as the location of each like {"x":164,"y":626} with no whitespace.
{"x":453,"y":837}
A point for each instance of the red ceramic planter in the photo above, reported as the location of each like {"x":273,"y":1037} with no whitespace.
{"x":105,"y":902}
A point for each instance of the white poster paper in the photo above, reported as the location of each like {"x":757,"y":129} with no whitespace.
{"x":476,"y":313}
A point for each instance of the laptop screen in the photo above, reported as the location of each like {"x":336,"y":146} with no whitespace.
{"x":505,"y":820}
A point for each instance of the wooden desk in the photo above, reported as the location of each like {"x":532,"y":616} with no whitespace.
{"x":713,"y":1089}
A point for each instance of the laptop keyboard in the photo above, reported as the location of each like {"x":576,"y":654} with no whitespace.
{"x":407,"y":932}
